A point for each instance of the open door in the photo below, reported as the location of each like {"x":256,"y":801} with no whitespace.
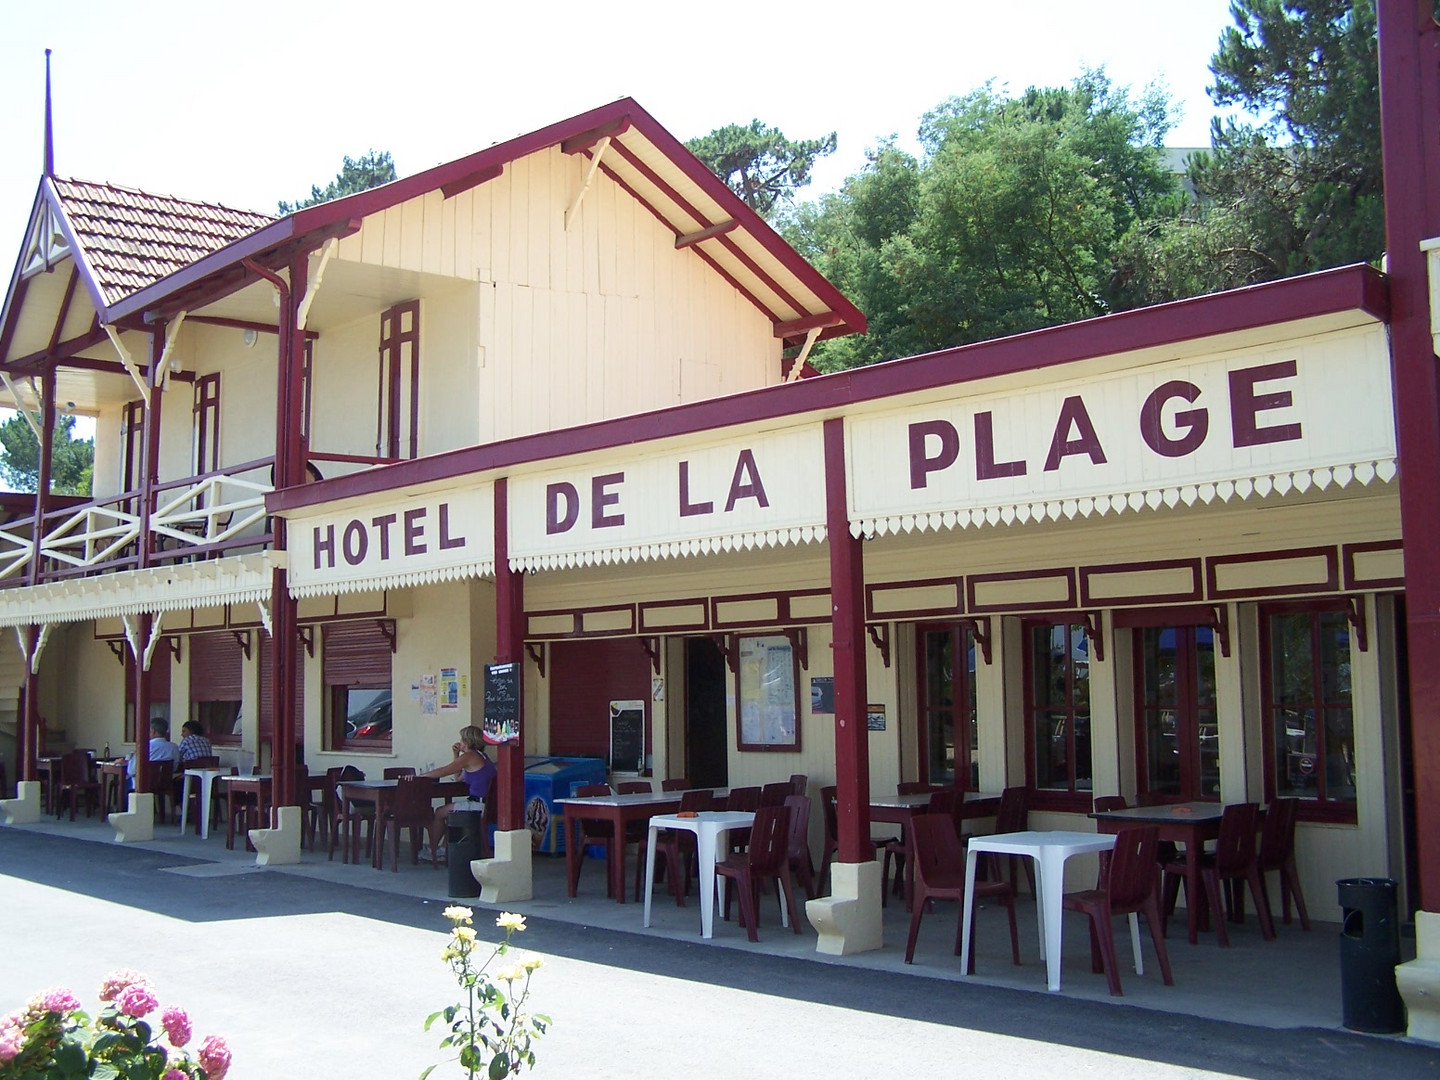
{"x":706,"y":724}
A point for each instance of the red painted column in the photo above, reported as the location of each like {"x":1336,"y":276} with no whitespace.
{"x":142,"y":702}
{"x":30,"y":722}
{"x":289,"y":471}
{"x":29,"y":748}
{"x":1409,"y":120}
{"x":847,"y":640}
{"x":509,"y":648}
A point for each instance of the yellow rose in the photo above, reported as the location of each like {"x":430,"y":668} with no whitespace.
{"x":534,"y":963}
{"x":509,"y":920}
{"x":463,"y":933}
{"x":456,"y":913}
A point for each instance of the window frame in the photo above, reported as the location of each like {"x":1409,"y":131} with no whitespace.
{"x":962,"y":688}
{"x":1072,"y":799}
{"x":336,"y":695}
{"x":205,"y":425}
{"x":1335,"y":811}
{"x":398,"y":380}
{"x":206,"y":673}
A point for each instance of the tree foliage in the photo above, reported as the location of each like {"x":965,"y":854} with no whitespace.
{"x":372,"y":170}
{"x":72,"y":466}
{"x":1295,"y":186}
{"x":1010,"y":220}
{"x":759,"y":163}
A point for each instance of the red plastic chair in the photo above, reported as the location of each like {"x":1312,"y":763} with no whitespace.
{"x":1233,"y":860}
{"x":1013,"y":816}
{"x":799,"y":784}
{"x":599,"y":833}
{"x":940,"y":875}
{"x":678,"y":783}
{"x":801,"y":864}
{"x":75,"y":782}
{"x":1131,"y":888}
{"x":746,"y":800}
{"x":334,"y":816}
{"x":766,"y":857}
{"x":1277,"y":853}
{"x":775,"y":794}
{"x":828,"y":798}
{"x":397,"y":771}
{"x":942,"y":801}
{"x":411,"y":808}
{"x":1103,"y":805}
{"x":675,"y":851}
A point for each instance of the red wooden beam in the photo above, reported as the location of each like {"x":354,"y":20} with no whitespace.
{"x":707,"y":233}
{"x":12,"y":316}
{"x":62,"y":351}
{"x":587,"y":139}
{"x":64,"y":309}
{"x":243,"y":324}
{"x":474,"y":179}
{"x":799,"y":327}
{"x":509,"y":649}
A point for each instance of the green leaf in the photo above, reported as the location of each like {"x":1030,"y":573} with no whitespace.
{"x":499,"y":1067}
{"x":428,"y":1070}
{"x":104,"y":1070}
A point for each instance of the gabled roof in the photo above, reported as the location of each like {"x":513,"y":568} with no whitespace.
{"x":129,"y":239}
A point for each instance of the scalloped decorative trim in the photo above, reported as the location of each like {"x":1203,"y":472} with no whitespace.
{"x":484,"y":568}
{"x":1363,"y":473}
{"x":672,"y":549}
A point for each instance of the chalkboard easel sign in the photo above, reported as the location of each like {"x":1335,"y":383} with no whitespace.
{"x":627,"y":736}
{"x":502,"y":703}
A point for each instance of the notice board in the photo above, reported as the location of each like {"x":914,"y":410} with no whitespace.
{"x":627,"y":736}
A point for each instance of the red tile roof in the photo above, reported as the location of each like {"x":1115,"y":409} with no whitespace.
{"x":131,"y":239}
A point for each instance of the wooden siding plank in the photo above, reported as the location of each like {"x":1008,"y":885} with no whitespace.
{"x":519,"y":220}
{"x":447,"y":239}
{"x":372,"y":236}
{"x":412,"y":236}
{"x":464,"y":205}
{"x":394,"y":236}
{"x":433,"y":219}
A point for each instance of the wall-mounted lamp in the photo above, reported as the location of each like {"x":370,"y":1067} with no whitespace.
{"x":251,"y":337}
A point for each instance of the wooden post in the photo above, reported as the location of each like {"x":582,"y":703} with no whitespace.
{"x":1409,"y":118}
{"x":847,"y":626}
{"x":30,"y":721}
{"x":509,"y":648}
{"x":142,"y":703}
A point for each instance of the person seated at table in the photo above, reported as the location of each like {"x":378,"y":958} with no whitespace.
{"x":161,"y":749}
{"x":474,"y":768}
{"x":194,"y":744}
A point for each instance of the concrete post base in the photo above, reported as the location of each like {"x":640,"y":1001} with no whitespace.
{"x":848,"y":920}
{"x":139,"y":822}
{"x":1419,"y":980}
{"x":279,"y":846}
{"x":24,"y":809}
{"x":506,"y":878}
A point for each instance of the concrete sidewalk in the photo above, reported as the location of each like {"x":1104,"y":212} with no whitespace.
{"x":336,"y":978}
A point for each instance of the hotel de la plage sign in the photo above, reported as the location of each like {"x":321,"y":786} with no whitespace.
{"x":1309,"y":415}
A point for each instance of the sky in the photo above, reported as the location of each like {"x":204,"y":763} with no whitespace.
{"x":246,"y":105}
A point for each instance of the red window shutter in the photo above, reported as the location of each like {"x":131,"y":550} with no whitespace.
{"x":357,"y":654}
{"x":267,"y":693}
{"x":586,"y":677}
{"x":217,"y":665}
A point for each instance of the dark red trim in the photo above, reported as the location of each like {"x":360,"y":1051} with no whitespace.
{"x":1352,"y":288}
{"x":1354,"y":582}
{"x":15,"y":293}
{"x":1330,"y":584}
{"x":509,"y":648}
{"x":725,"y":275}
{"x":1196,"y":592}
{"x":63,"y":351}
{"x":871,"y":588}
{"x":578,"y":624}
{"x":474,"y":180}
{"x":92,"y":283}
{"x":1177,"y":615}
{"x":64,"y":309}
{"x":12,"y":315}
{"x":799,"y":327}
{"x":674,"y":628}
{"x":586,"y":139}
{"x":243,"y":324}
{"x":784,"y":616}
{"x":1063,"y":573}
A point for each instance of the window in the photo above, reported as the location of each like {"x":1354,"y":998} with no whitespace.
{"x":266,"y":706}
{"x":217,"y":668}
{"x":948,"y":727}
{"x":356,"y":674}
{"x":1058,"y":682}
{"x":1177,"y":720}
{"x":397,"y":430}
{"x":1310,"y":724}
{"x":205,"y":424}
{"x":132,"y":442}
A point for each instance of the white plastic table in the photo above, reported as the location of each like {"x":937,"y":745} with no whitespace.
{"x":708,"y":826}
{"x":207,"y":781}
{"x":1049,"y":850}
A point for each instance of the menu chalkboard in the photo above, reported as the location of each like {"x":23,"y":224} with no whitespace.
{"x":502,"y":703}
{"x":627,"y":736}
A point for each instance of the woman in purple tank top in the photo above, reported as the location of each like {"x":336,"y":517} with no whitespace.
{"x":474,"y":768}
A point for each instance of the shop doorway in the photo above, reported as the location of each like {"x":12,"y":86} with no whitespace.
{"x":1178,"y":734}
{"x":706,"y":727}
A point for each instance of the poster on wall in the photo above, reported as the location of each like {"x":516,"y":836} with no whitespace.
{"x":449,"y":688}
{"x":822,"y":695}
{"x":502,"y":703}
{"x":769,"y":705}
{"x":427,"y":695}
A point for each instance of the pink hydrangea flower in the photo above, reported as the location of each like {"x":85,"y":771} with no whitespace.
{"x":214,"y":1057}
{"x":12,"y":1037}
{"x":136,"y":1000}
{"x":177,"y":1025}
{"x":59,"y":1000}
{"x":174,"y":1074}
{"x":117,"y":981}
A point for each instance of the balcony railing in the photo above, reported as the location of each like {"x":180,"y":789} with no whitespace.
{"x":203,"y":516}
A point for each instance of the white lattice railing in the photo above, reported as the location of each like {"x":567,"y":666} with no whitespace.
{"x":92,"y":534}
{"x":214,"y":509}
{"x":16,"y":549}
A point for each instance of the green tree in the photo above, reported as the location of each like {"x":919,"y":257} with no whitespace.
{"x":759,"y":163}
{"x":1296,"y":184}
{"x":72,"y":465}
{"x":1010,"y":221}
{"x":372,"y":170}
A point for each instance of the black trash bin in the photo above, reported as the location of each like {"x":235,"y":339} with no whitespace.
{"x":464,"y":841}
{"x":1369,"y":951}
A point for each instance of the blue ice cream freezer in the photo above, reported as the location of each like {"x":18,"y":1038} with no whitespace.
{"x":548,"y":779}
